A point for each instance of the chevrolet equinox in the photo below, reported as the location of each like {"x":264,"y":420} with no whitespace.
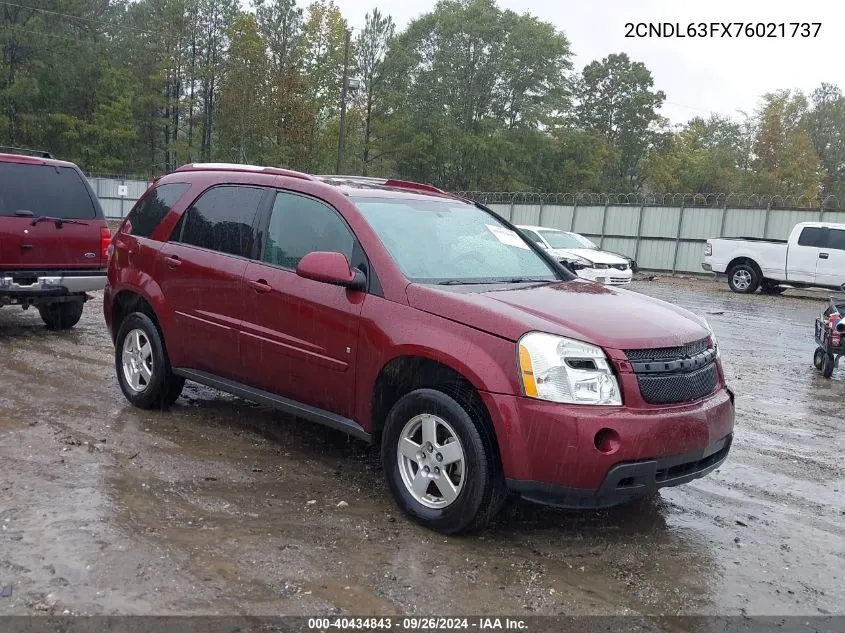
{"x":418,"y":321}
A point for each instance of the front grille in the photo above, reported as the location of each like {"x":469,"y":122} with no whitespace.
{"x":675,"y":388}
{"x":661,"y":353}
{"x":673,"y":375}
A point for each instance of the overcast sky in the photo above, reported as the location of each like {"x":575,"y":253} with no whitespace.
{"x":698,"y":75}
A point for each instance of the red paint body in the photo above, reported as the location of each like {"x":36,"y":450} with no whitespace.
{"x":325,"y":345}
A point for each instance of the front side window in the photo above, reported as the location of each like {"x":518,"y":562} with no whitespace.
{"x":300,"y":225}
{"x":434,"y":241}
{"x":836,"y":239}
{"x":150,"y":211}
{"x":222,"y":219}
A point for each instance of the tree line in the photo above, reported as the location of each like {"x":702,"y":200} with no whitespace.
{"x":468,"y":97}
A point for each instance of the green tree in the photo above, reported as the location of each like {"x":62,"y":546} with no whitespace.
{"x":706,"y":156}
{"x":616,"y":99}
{"x":785,"y":161}
{"x":242,"y":117}
{"x":371,"y":46}
{"x":825,"y":124}
{"x":458,"y":96}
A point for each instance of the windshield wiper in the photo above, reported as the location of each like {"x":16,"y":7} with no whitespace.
{"x":58,"y":221}
{"x":526,"y":280}
{"x":478,"y":282}
{"x":463,"y":282}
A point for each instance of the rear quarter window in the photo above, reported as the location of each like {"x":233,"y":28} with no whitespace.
{"x":45,"y":190}
{"x":150,"y":211}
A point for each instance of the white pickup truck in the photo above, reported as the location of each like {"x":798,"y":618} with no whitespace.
{"x":813,"y":256}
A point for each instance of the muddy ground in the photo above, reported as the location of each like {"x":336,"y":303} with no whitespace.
{"x":222,"y":507}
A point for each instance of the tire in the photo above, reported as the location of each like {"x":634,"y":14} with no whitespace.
{"x":818,"y":358}
{"x":61,"y":315}
{"x":829,"y":363}
{"x":478,"y":480}
{"x":744,"y":279}
{"x":157,"y":387}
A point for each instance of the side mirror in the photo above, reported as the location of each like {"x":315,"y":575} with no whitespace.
{"x":331,"y":268}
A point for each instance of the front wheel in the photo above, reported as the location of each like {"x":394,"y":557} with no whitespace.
{"x":818,"y":358}
{"x":829,"y":364}
{"x":438,"y":467}
{"x":143,"y":369}
{"x":61,"y":315}
{"x":743,"y":278}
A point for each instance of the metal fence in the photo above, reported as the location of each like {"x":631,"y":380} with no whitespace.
{"x":660,"y":233}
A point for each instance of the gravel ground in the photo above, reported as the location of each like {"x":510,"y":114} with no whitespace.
{"x":223,"y":507}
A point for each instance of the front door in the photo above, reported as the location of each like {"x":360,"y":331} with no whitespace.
{"x":201,"y":274}
{"x":801,"y":258}
{"x":830,"y":267}
{"x":299,"y":336}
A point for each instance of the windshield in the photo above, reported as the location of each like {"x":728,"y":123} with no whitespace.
{"x":39,"y":190}
{"x":559,"y":239}
{"x":444,"y":241}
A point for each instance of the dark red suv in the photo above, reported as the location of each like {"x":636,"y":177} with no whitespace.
{"x":54,"y":238}
{"x":420,"y":321}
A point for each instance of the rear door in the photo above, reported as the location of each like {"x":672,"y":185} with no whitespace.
{"x":830,"y":267}
{"x":31,"y":191}
{"x":299,"y":335}
{"x":801,"y":257}
{"x":200,"y":272}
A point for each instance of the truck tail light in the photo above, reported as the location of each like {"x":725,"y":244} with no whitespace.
{"x":708,"y":249}
{"x":105,"y":243}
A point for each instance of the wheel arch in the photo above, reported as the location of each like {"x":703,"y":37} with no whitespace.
{"x":408,"y":372}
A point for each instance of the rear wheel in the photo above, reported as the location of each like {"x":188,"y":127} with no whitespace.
{"x":143,"y":369}
{"x":439,"y":468}
{"x":61,"y":315}
{"x":743,"y":278}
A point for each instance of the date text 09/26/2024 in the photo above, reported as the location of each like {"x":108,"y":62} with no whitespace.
{"x":416,"y":624}
{"x":723,"y":29}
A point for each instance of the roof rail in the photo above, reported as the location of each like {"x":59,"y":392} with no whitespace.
{"x":407,"y":184}
{"x":275,"y":171}
{"x":24,"y":151}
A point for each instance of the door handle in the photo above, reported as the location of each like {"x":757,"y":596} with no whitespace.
{"x":26,"y":247}
{"x":260,"y":285}
{"x":173,"y":262}
{"x":823,"y":255}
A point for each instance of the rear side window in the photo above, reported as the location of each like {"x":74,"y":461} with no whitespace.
{"x":301,"y":225}
{"x":39,"y":190}
{"x":222,"y":220}
{"x":149,"y":213}
{"x":810,"y":236}
{"x":836,"y":239}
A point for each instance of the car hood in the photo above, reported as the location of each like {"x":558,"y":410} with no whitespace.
{"x":594,"y":256}
{"x":583,"y":310}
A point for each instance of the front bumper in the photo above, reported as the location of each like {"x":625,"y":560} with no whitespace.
{"x":607,"y":276}
{"x":625,"y":482}
{"x":58,"y":283}
{"x":551,"y":452}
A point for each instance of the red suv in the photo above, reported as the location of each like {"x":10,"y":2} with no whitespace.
{"x":419,"y":321}
{"x":54,"y":238}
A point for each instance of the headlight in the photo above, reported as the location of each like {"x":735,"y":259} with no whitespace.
{"x":562,"y":370}
{"x":712,"y":338}
{"x":575,"y":262}
{"x":600,"y":266}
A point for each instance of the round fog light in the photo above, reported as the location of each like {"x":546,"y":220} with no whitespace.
{"x":607,"y":441}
